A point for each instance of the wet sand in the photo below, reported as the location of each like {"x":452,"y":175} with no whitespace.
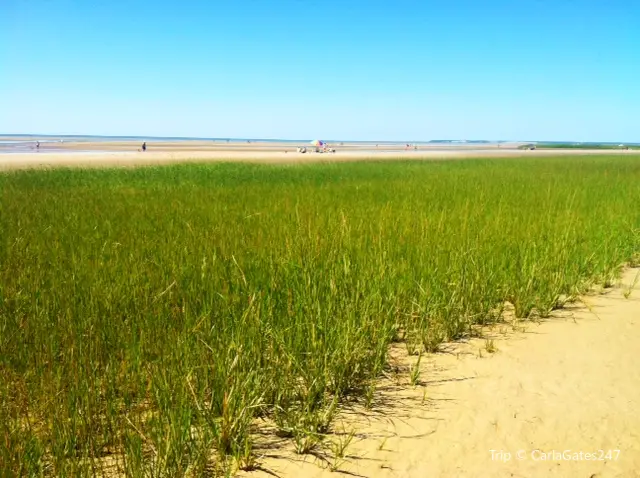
{"x":569,"y":385}
{"x":127,"y":153}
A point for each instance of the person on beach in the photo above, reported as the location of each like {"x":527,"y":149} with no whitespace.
{"x":38,"y":145}
{"x":144,"y":146}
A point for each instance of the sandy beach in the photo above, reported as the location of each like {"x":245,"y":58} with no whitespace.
{"x":128,"y":153}
{"x":558,"y":398}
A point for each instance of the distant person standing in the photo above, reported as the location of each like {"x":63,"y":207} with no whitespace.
{"x":144,"y":146}
{"x":38,"y":145}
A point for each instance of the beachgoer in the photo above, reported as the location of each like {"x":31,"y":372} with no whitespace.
{"x":38,"y":145}
{"x":144,"y":146}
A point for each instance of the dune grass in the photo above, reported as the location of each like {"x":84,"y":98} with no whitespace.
{"x":149,"y":318}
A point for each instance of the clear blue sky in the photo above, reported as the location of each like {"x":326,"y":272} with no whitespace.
{"x":336,"y":69}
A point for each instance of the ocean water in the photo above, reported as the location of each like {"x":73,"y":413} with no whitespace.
{"x":89,"y":138}
{"x":92,"y":138}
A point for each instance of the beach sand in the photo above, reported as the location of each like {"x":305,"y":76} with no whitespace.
{"x":127,"y":153}
{"x":568,"y":383}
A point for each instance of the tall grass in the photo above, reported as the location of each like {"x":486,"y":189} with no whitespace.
{"x":150,"y":317}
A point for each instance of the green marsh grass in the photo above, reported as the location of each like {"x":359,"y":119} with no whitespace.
{"x":151,"y":319}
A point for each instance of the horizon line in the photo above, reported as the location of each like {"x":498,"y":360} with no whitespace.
{"x":49,"y":135}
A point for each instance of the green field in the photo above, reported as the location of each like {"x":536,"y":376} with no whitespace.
{"x":150,"y":317}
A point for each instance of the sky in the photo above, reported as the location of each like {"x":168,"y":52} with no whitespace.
{"x":377,"y":70}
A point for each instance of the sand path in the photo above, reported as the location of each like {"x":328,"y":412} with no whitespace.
{"x":568,"y":383}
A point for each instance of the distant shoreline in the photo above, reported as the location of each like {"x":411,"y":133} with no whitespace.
{"x":89,"y":145}
{"x":108,"y":138}
{"x":87,"y":150}
{"x":90,"y":137}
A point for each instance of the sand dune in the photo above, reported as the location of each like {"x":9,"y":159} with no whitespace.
{"x":570,"y":384}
